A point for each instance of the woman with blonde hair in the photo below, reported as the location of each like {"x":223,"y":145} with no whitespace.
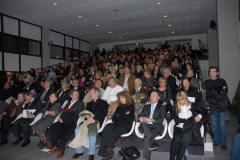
{"x":139,"y":72}
{"x":174,"y":69}
{"x":122,"y":123}
{"x":185,"y":122}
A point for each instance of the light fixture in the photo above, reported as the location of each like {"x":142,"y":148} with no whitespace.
{"x":116,"y":10}
{"x":128,"y":20}
{"x":20,"y":12}
{"x":159,"y":3}
{"x":109,"y":32}
{"x":48,"y":22}
{"x":119,"y":37}
{"x":54,"y":4}
{"x":165,"y":16}
{"x":205,"y":10}
{"x":169,"y":25}
{"x":138,"y":28}
{"x":79,"y":16}
{"x":97,"y":25}
{"x":172,"y":31}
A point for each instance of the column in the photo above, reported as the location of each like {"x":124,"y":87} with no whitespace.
{"x":228,"y":43}
{"x":213,"y":58}
{"x":45,"y":47}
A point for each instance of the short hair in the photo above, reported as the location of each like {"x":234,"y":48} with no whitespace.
{"x":48,"y":82}
{"x":213,"y":67}
{"x":28,"y":93}
{"x":97,"y":91}
{"x":74,"y":90}
{"x":138,"y":79}
{"x":75,"y":80}
{"x":21,"y":93}
{"x":115,"y":80}
{"x":162,"y":79}
{"x":64,"y":81}
{"x":55,"y":94}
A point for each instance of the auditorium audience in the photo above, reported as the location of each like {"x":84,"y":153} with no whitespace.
{"x":127,"y":80}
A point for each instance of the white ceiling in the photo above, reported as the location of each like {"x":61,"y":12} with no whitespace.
{"x":185,"y":16}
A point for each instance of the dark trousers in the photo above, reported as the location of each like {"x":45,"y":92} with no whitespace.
{"x":150,"y":133}
{"x":60,"y":134}
{"x":5,"y":124}
{"x":111,"y":133}
{"x":238,"y":107}
{"x":177,"y":149}
{"x":26,"y":128}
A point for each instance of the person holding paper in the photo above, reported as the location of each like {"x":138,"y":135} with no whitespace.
{"x":29,"y":104}
{"x":9,"y":114}
{"x":185,"y":117}
{"x":192,"y":92}
{"x":49,"y":113}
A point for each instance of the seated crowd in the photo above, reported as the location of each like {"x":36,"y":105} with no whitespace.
{"x":124,"y":86}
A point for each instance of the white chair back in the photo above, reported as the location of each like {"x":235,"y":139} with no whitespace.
{"x":64,"y":104}
{"x":18,"y":117}
{"x":129,"y":133}
{"x":36,"y":119}
{"x":8,"y":101}
{"x":103,"y":125}
{"x":171,"y":128}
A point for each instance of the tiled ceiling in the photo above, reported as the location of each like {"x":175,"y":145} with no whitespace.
{"x":146,"y":17}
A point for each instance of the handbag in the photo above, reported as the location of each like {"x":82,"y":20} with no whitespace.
{"x":129,"y":153}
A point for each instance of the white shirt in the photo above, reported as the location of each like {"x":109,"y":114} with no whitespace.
{"x":186,"y":113}
{"x":110,"y":94}
{"x":125,"y":84}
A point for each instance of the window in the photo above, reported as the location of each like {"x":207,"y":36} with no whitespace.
{"x":10,"y":43}
{"x":84,"y":55}
{"x":56,"y":52}
{"x":68,"y":54}
{"x":75,"y":55}
{"x":29,"y":47}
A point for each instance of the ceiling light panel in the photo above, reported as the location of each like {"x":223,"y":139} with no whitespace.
{"x":176,"y":20}
{"x":162,"y":10}
{"x":158,"y":22}
{"x":164,"y":29}
{"x":187,"y":27}
{"x":195,"y":26}
{"x":173,"y":8}
{"x":195,"y":18}
{"x":179,"y":28}
{"x":195,"y":5}
{"x":184,"y":7}
{"x":186,"y":19}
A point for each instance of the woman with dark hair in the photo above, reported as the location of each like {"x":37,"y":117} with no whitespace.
{"x":192,"y":92}
{"x":148,"y":81}
{"x":57,"y":71}
{"x":43,"y":71}
{"x":32,"y":72}
{"x":49,"y":113}
{"x":122,"y":123}
{"x":51,"y":73}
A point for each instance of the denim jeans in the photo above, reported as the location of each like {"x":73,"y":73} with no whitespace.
{"x":238,"y":106}
{"x":92,"y":143}
{"x":219,"y":127}
{"x":235,"y":148}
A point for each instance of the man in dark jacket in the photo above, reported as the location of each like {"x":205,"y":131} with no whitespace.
{"x":30,"y":103}
{"x":216,"y":93}
{"x":151,"y":119}
{"x":99,"y":108}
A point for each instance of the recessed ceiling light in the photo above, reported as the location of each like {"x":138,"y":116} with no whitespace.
{"x":169,"y":25}
{"x":20,"y":12}
{"x":172,"y":31}
{"x":109,"y":32}
{"x":138,"y":28}
{"x":116,"y":10}
{"x":205,"y":10}
{"x":48,"y":22}
{"x":54,"y":4}
{"x":165,"y":16}
{"x":159,"y":3}
{"x":79,"y":16}
{"x":119,"y":37}
{"x":97,"y":25}
{"x":129,"y":21}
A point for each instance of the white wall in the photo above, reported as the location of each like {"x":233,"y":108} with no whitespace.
{"x":30,"y":31}
{"x":204,"y":67}
{"x":194,"y":38}
{"x":10,"y":25}
{"x":28,"y":62}
{"x":11,"y":62}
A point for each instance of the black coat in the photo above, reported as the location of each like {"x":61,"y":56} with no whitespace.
{"x":184,"y":135}
{"x":81,"y":92}
{"x":121,"y":118}
{"x":5,"y":94}
{"x":158,"y":115}
{"x":36,"y":104}
{"x":30,"y":87}
{"x":100,"y":110}
{"x":139,"y":74}
{"x":64,"y":96}
{"x":38,"y":80}
{"x":46,"y":97}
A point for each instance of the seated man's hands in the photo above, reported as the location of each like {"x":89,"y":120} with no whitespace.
{"x":146,"y":120}
{"x":60,"y":120}
{"x":30,"y":116}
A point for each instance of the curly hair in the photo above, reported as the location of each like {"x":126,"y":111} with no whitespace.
{"x":125,"y":94}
